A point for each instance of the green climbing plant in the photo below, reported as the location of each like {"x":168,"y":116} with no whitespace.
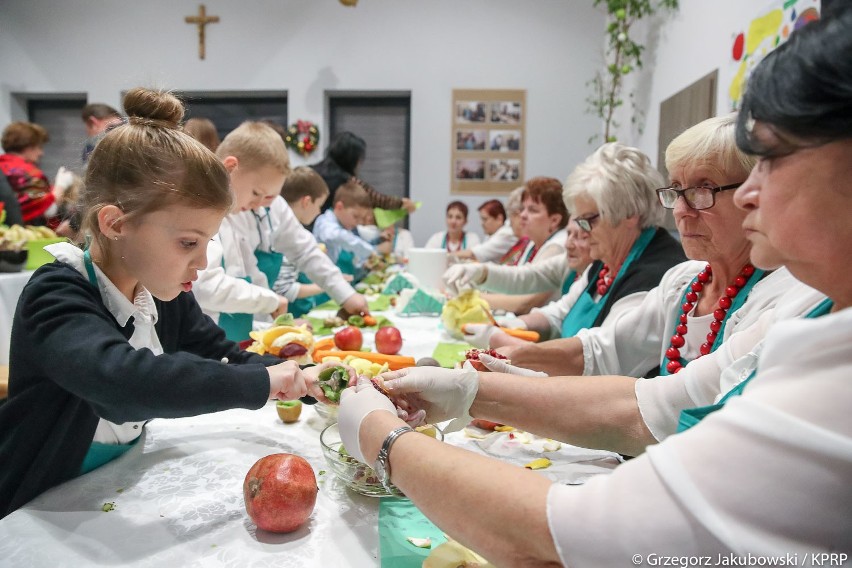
{"x":623,"y":56}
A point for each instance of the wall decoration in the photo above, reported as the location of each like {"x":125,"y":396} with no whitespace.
{"x":302,"y":137}
{"x":487,"y":151}
{"x":764,"y":33}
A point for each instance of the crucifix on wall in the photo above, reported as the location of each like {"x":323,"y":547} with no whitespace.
{"x":201,"y":20}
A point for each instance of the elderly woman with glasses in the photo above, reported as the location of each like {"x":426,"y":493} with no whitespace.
{"x":765,"y":473}
{"x":611,"y":197}
{"x":698,"y":304}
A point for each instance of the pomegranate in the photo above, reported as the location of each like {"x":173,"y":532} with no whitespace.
{"x":280,"y":492}
{"x":473,"y":356}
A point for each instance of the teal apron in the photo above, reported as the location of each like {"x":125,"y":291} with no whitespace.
{"x":736,"y":304}
{"x":236,"y":326}
{"x":100,"y":453}
{"x":585,"y":311}
{"x":463,"y":243}
{"x":268,"y":262}
{"x":692,"y":416}
{"x":301,"y":306}
{"x":569,"y":280}
{"x":346,"y":262}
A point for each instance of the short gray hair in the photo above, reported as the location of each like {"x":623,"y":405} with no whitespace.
{"x":514,"y":203}
{"x":712,"y":142}
{"x":621,"y":181}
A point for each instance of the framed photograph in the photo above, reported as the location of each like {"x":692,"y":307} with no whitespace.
{"x":471,"y":139}
{"x":504,"y":170}
{"x":487,"y":141}
{"x":504,"y":140}
{"x":471,"y":112}
{"x":506,"y":112}
{"x":470,"y":169}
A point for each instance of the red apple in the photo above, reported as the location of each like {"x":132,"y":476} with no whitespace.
{"x":388,"y":340}
{"x":349,"y":339}
{"x":280,"y":492}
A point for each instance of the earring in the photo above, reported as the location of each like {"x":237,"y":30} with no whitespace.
{"x":116,"y":238}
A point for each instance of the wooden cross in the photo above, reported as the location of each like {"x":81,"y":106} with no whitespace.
{"x":201,"y":20}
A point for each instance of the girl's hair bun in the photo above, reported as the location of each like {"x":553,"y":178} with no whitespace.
{"x":149,"y":107}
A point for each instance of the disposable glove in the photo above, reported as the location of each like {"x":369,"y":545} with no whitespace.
{"x":355,"y":404}
{"x":480,"y":334}
{"x":461,"y":277}
{"x":445,"y":394}
{"x":512,"y":321}
{"x":501,"y":366}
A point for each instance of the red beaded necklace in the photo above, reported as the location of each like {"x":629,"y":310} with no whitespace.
{"x":605,"y":280}
{"x":673,"y":352}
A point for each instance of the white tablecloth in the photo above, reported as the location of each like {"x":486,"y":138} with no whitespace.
{"x":178,"y":495}
{"x":11,"y":286}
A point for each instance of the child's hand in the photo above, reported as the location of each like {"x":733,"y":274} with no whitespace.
{"x":356,"y":304}
{"x":312,"y":378}
{"x":286,"y":381}
{"x":282,"y":307}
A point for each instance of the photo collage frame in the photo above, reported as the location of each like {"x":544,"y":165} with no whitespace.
{"x":488,"y":137}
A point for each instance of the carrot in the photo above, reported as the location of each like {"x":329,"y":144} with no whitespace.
{"x":395,"y":362}
{"x":324,"y":344}
{"x":524,"y":334}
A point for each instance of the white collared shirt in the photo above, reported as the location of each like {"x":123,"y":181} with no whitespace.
{"x":144,"y":314}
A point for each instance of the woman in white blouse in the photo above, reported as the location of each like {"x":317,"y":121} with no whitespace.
{"x":455,"y":238}
{"x":543,"y":220}
{"x":766,"y":471}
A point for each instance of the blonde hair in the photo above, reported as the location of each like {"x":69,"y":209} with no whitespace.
{"x":352,"y":194}
{"x":621,"y":181}
{"x":304,"y":181}
{"x":712,"y":142}
{"x":256,"y":146}
{"x":149,"y":164}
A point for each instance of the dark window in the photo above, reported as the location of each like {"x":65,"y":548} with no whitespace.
{"x":229,"y":110}
{"x":61,"y":118}
{"x":384,"y":122}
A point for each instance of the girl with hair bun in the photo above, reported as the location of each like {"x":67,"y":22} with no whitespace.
{"x":107,"y":338}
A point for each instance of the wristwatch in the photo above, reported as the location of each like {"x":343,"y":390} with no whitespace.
{"x":382,"y":465}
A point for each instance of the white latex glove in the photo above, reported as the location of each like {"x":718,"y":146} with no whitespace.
{"x":443,"y":393}
{"x":513,"y":322}
{"x":480,"y":334}
{"x":355,"y":404}
{"x":63,"y":180}
{"x":501,"y":366}
{"x":461,"y":277}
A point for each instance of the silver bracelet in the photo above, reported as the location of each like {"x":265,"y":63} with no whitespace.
{"x":382,"y":465}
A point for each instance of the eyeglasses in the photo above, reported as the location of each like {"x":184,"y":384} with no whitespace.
{"x":586,"y":223}
{"x":696,"y":197}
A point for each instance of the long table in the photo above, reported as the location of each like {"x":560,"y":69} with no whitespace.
{"x":177,"y":495}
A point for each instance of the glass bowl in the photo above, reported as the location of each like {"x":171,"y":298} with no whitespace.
{"x":328,"y":412}
{"x":357,"y":476}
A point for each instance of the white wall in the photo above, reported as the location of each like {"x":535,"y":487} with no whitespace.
{"x":428,"y":47}
{"x":683,"y":48}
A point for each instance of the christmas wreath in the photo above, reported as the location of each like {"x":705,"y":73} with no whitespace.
{"x":302,"y":137}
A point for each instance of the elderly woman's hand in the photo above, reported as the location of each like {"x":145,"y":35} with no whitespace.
{"x":443,"y":393}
